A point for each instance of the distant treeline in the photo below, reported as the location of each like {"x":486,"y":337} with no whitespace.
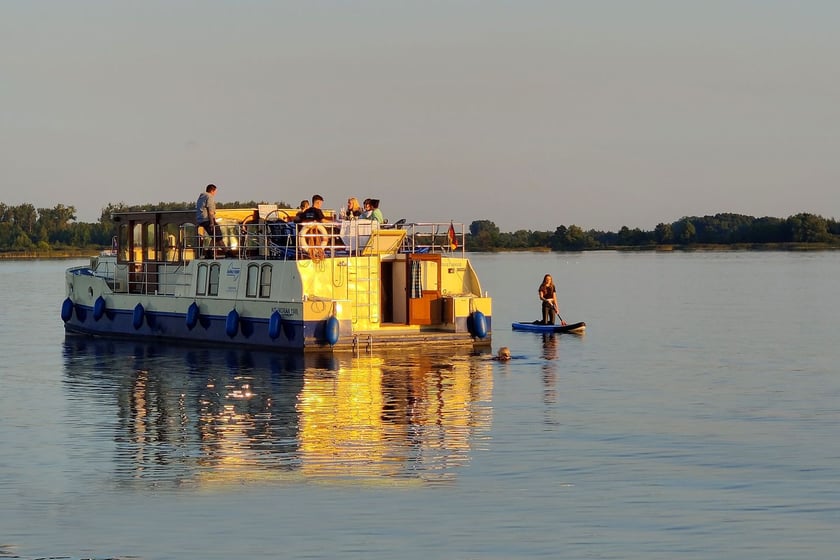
{"x":26,"y":229}
{"x":690,"y":231}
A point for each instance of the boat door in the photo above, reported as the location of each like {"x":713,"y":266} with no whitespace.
{"x":424,"y":301}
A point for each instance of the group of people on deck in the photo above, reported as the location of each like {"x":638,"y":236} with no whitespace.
{"x":307,"y":212}
{"x":312,"y":212}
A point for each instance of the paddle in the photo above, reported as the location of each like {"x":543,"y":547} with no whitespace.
{"x":557,"y":312}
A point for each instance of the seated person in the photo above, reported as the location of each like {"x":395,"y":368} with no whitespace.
{"x":372,"y":211}
{"x":304,"y":204}
{"x":314,"y":212}
{"x":354,"y":210}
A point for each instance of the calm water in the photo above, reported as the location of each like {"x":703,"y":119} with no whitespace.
{"x":697,"y":418}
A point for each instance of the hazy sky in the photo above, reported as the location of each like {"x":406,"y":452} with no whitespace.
{"x":530,"y":114}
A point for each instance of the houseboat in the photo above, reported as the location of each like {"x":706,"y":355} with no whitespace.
{"x":273,"y":284}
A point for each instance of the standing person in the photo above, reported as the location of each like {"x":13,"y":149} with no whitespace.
{"x":205,"y":217}
{"x":548,"y":297}
{"x":314,"y":212}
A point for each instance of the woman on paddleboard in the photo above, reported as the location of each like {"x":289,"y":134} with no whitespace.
{"x":548,"y":297}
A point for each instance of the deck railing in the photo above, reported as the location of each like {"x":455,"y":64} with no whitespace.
{"x":292,"y":241}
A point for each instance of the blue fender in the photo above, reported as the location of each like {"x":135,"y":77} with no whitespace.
{"x":193,"y":313}
{"x":232,"y":323}
{"x":275,"y":323}
{"x":331,"y":330}
{"x":478,"y":328}
{"x":139,"y":314}
{"x":67,"y":310}
{"x":99,"y":308}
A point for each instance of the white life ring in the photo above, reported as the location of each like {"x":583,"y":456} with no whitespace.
{"x":312,"y":238}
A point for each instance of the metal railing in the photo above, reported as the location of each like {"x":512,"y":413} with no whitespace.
{"x":291,"y":241}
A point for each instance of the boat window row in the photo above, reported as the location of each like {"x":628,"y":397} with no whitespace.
{"x":207,"y":279}
{"x":258,"y":284}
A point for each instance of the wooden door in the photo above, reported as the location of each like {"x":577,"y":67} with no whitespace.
{"x":423,"y":277}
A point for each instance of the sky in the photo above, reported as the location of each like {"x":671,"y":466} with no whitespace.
{"x":530,"y":114}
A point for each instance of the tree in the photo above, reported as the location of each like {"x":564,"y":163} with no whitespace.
{"x":25,"y":217}
{"x":684,"y":231}
{"x":558,"y":239}
{"x":577,"y":239}
{"x":22,"y":242}
{"x":484,"y":235}
{"x":663,"y":234}
{"x":807,"y":228}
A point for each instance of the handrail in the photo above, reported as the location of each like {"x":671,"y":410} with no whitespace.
{"x":282,"y":240}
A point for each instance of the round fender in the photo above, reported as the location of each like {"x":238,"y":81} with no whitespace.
{"x":312,"y":238}
{"x":67,"y":310}
{"x":479,"y":325}
{"x":193,"y":313}
{"x":99,"y":308}
{"x":275,"y":323}
{"x":139,"y":314}
{"x":232,"y":323}
{"x":331,"y":330}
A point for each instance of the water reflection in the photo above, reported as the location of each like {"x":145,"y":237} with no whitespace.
{"x":176,"y":417}
{"x":549,"y":377}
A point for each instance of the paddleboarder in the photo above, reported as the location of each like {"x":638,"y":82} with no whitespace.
{"x":548,"y":298}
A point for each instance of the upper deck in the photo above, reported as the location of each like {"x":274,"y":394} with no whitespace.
{"x":271,"y":233}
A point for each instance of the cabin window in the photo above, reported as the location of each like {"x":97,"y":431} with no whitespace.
{"x":265,"y":281}
{"x":213,"y":286}
{"x":137,"y":243}
{"x":149,"y":249}
{"x":171,"y":243}
{"x":430,"y":275}
{"x":190,"y":241}
{"x":122,"y":241}
{"x":201,"y":280}
{"x":253,"y":280}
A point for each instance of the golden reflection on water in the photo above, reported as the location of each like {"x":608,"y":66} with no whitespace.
{"x":212,"y":418}
{"x":372,"y":420}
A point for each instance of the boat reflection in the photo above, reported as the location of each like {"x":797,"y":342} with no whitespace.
{"x":216,"y":417}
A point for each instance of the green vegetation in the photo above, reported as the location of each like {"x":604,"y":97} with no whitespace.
{"x":54,"y":232}
{"x":26,"y":231}
{"x":800,"y":231}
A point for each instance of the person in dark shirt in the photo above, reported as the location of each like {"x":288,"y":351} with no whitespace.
{"x":548,"y":297}
{"x":354,"y":209}
{"x":314,"y":212}
{"x":304,"y":204}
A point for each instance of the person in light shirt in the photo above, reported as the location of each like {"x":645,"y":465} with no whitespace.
{"x":205,"y":217}
{"x":372,"y":211}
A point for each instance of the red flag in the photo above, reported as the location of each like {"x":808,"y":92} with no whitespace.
{"x":453,"y":240}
